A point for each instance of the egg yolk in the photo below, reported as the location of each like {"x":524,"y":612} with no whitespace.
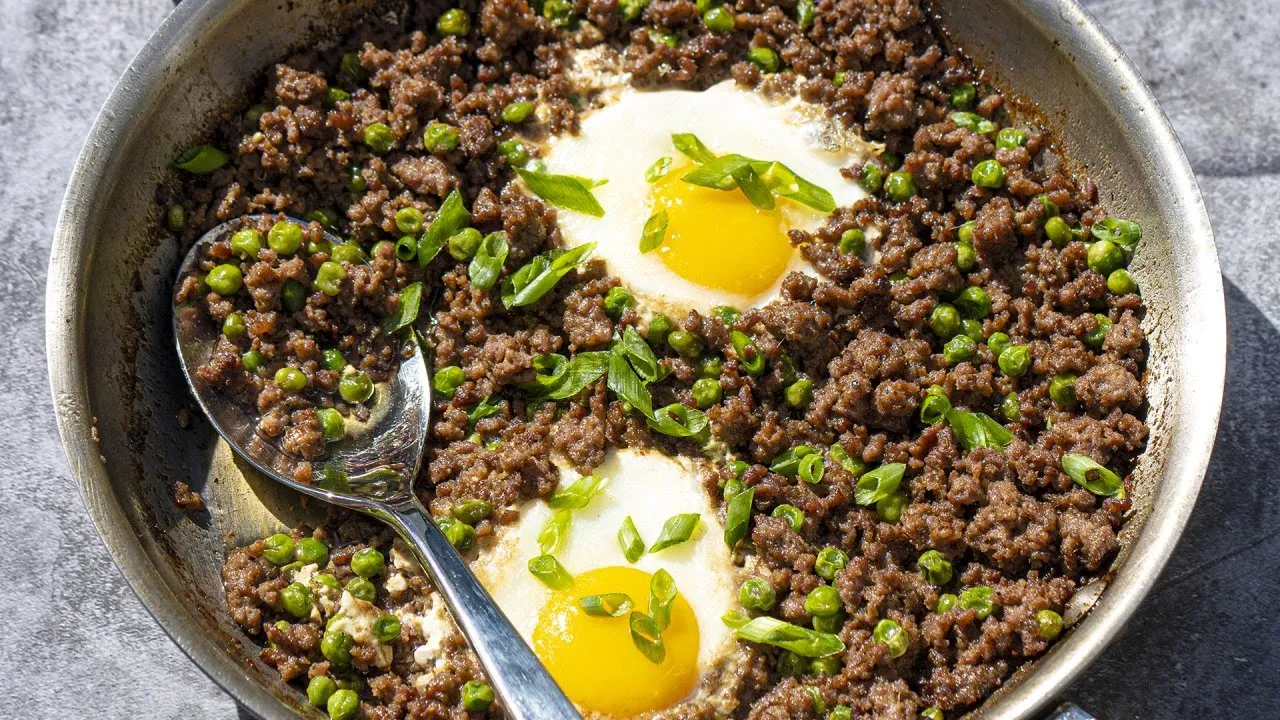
{"x":718,"y":239}
{"x":596,"y":662}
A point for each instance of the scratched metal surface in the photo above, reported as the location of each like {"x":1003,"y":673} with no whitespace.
{"x":1201,"y":644}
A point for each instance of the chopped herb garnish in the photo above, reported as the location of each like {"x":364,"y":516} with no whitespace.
{"x":450,"y":218}
{"x":977,"y":430}
{"x":692,"y":147}
{"x":407,"y":309}
{"x":662,"y":595}
{"x":1088,"y":474}
{"x":748,"y":353}
{"x":639,"y":354}
{"x":554,"y":532}
{"x":973,"y":121}
{"x":486,"y":408}
{"x":558,"y":379}
{"x":535,"y":278}
{"x":1124,"y":233}
{"x":655,"y":231}
{"x":606,"y":605}
{"x":552,"y":574}
{"x":879,"y":483}
{"x":677,"y":529}
{"x":564,"y":191}
{"x":811,"y":469}
{"x":486,"y":265}
{"x":658,"y":169}
{"x":759,"y":180}
{"x":737,"y":516}
{"x":788,"y":463}
{"x":647,"y":637}
{"x":578,"y":495}
{"x":630,"y":541}
{"x":678,"y":420}
{"x":853,"y":466}
{"x":626,"y":384}
{"x":802,"y":641}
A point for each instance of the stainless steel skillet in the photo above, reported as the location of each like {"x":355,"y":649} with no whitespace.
{"x":117,"y":388}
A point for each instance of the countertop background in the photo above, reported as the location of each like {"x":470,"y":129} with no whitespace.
{"x":77,"y":642}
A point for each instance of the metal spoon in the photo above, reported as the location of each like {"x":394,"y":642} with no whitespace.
{"x":381,"y":459}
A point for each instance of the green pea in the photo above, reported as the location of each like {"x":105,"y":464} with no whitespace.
{"x":829,"y":624}
{"x":799,"y":393}
{"x":792,"y":514}
{"x":448,"y":379}
{"x":293,"y":296}
{"x":738,"y":468}
{"x":284,"y":238}
{"x":853,"y":240}
{"x":517,"y":112}
{"x":453,"y":22}
{"x":464,"y":244}
{"x":330,"y":582}
{"x":514,"y":152}
{"x":253,"y":361}
{"x":311,"y":551}
{"x":1010,"y":408}
{"x":1105,"y":257}
{"x":945,"y":321}
{"x":175,"y":218}
{"x":958,"y":349}
{"x":254,"y":114}
{"x":963,"y":96}
{"x":617,"y":300}
{"x":892,"y":635}
{"x":476,"y":696}
{"x":367,"y":562}
{"x":1120,"y":282}
{"x":791,"y":664}
{"x":440,"y":138}
{"x":830,"y":561}
{"x":278,"y":549}
{"x":409,"y":220}
{"x":997,"y":342}
{"x":379,"y":138}
{"x":1050,"y":624}
{"x":355,"y":387}
{"x":291,"y":379}
{"x":329,"y":278}
{"x":710,"y":367}
{"x":891,"y":158}
{"x":319,"y":689}
{"x":1098,"y":334}
{"x":472,"y":510}
{"x":973,"y":302}
{"x":966,"y":256}
{"x":1015,"y":361}
{"x":823,"y":601}
{"x":935,"y":567}
{"x":685,"y":343}
{"x":719,"y":20}
{"x":839,"y":78}
{"x":840,"y":712}
{"x":1010,"y":138}
{"x":706,"y":392}
{"x":872,"y":177}
{"x":826,"y":667}
{"x":756,"y":594}
{"x":334,"y":360}
{"x":334,"y":96}
{"x":971,"y":329}
{"x":1058,"y":231}
{"x":663,"y":36}
{"x":349,"y":67}
{"x":559,"y":12}
{"x":347,"y":253}
{"x":931,"y":713}
{"x":332,"y":423}
{"x":977,"y":599}
{"x":297,"y":600}
{"x":764,"y":58}
{"x":889,"y":508}
{"x":362,"y":589}
{"x":1062,"y":389}
{"x":660,"y":327}
{"x":900,"y":186}
{"x":343,"y":705}
{"x":988,"y":174}
{"x":225,"y":279}
{"x":459,"y":534}
{"x":233,"y":327}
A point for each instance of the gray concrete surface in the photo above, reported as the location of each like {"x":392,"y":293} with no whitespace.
{"x":77,"y":643}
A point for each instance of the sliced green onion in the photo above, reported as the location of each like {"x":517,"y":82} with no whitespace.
{"x":639,"y":354}
{"x":1088,"y":474}
{"x":692,"y":147}
{"x":627,"y":385}
{"x":485,"y":408}
{"x":658,"y":169}
{"x":973,"y":121}
{"x":606,"y":605}
{"x":552,"y":574}
{"x":788,"y":462}
{"x":201,"y":160}
{"x":563,"y":191}
{"x":853,"y":466}
{"x":977,"y":430}
{"x":655,"y":231}
{"x":577,"y":495}
{"x":802,"y":641}
{"x":558,"y":379}
{"x":741,"y":342}
{"x":554,"y":532}
{"x":879,"y":483}
{"x":934,"y":407}
{"x":811,"y":469}
{"x":450,"y":218}
{"x":737,"y":516}
{"x":630,"y":541}
{"x":662,"y":595}
{"x":678,"y":420}
{"x":647,"y":637}
{"x":677,"y":529}
{"x":1124,"y":233}
{"x":537,"y":277}
{"x":406,"y":310}
{"x":486,"y":266}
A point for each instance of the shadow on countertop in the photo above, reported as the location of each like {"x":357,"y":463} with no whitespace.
{"x":1203,"y":644}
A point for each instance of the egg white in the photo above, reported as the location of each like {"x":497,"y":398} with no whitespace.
{"x":620,"y":141}
{"x":650,"y":488}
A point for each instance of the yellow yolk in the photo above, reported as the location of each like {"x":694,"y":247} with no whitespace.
{"x":594,"y":658}
{"x":718,"y":239}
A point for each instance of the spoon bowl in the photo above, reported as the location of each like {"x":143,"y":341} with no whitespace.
{"x":372,"y":470}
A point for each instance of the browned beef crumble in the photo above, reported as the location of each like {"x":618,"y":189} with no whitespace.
{"x":1009,"y":520}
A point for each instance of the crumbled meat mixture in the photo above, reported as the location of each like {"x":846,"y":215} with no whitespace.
{"x":1007,"y":517}
{"x":186,"y":498}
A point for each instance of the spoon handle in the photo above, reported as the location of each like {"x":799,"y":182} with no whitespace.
{"x":519,"y":679}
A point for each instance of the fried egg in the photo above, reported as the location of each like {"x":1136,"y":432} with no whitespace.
{"x":719,"y":248}
{"x":594,"y":658}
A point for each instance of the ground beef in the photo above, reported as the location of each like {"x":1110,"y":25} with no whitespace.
{"x":1007,"y":518}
